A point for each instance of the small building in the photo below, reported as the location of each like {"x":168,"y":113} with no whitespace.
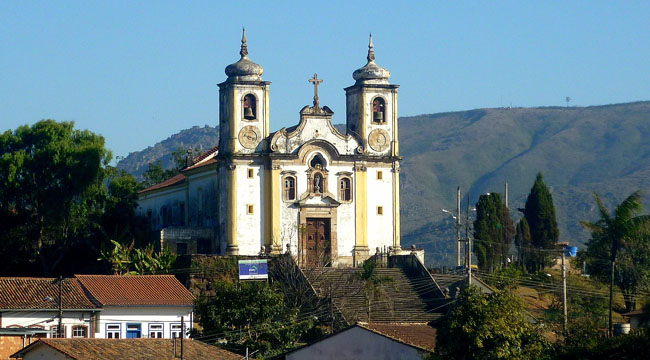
{"x":371,"y":341}
{"x":139,"y":306}
{"x":33,"y":303}
{"x":104,"y":349}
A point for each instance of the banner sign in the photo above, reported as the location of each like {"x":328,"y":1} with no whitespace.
{"x":253,"y":269}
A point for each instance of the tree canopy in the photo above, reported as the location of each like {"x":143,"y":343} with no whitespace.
{"x":493,"y":232}
{"x":540,"y":215}
{"x":622,"y":237}
{"x":60,"y":200}
{"x":488,"y":326}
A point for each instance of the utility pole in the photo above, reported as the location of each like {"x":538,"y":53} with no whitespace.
{"x":506,"y":194}
{"x":59,"y":330}
{"x":469,"y":245}
{"x":182,"y":334}
{"x":458,"y":241}
{"x":564,"y":311}
{"x":611,"y":299}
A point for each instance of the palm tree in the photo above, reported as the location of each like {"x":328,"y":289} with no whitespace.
{"x":617,"y":232}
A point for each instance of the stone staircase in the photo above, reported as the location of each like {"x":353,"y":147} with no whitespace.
{"x":403,"y":297}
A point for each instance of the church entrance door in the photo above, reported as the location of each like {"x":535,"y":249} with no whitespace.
{"x":317,"y":243}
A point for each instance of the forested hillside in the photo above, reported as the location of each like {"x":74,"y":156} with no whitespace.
{"x":578,"y":149}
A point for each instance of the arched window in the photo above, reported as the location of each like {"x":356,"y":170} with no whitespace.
{"x":345,"y":189}
{"x":289,"y":192}
{"x":250,"y":107}
{"x":378,"y":111}
{"x":317,"y":162}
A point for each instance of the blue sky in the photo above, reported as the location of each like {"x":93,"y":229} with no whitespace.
{"x":137,"y":72}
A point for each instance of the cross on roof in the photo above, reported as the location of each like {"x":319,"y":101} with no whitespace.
{"x":316,"y":81}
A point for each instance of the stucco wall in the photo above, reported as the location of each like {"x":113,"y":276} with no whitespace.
{"x":144,"y":316}
{"x":47,"y":319}
{"x":41,"y":352}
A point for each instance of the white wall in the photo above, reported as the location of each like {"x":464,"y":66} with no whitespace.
{"x":144,"y":316}
{"x":154,"y":201}
{"x":47,"y":319}
{"x":380,"y":193}
{"x":250,"y":227}
{"x":357,"y":343}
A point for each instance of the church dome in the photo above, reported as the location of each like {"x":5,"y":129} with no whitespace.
{"x":244,"y":69}
{"x":371,"y":73}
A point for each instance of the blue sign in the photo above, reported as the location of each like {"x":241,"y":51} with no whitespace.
{"x":571,"y":251}
{"x":253,"y":269}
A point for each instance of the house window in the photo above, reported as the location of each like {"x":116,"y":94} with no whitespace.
{"x":156,"y":331}
{"x":176,"y":330}
{"x":54,"y":330}
{"x":181,"y":248}
{"x":380,"y":210}
{"x":250,"y":173}
{"x":289,"y":188}
{"x":250,"y":209}
{"x":250,"y":107}
{"x":380,"y":175}
{"x":133,"y":331}
{"x":112,"y":331}
{"x":80,"y":331}
{"x":378,"y":111}
{"x":345,"y":189}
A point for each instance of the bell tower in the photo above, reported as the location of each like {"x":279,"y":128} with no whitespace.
{"x":243,"y":106}
{"x":371,"y":108}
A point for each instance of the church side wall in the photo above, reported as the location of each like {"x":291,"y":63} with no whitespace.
{"x":250,"y":225}
{"x":202,"y":197}
{"x":380,"y":226}
{"x":169,"y":199}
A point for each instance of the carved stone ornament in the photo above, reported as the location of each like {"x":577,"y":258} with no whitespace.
{"x":379,"y":140}
{"x":249,"y":137}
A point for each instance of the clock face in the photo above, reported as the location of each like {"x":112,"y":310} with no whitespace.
{"x":379,"y":140}
{"x":249,"y":137}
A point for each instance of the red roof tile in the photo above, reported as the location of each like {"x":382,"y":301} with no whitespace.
{"x":177,"y":179}
{"x":138,"y":290}
{"x":421,"y":336}
{"x":207,"y":162}
{"x":41,"y":293}
{"x":134,"y":349}
{"x":206,"y":154}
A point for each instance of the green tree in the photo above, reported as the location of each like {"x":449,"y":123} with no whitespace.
{"x":127,"y":259}
{"x":524,"y":244}
{"x":51,"y":189}
{"x":371,"y":285}
{"x":489,"y":326}
{"x":540,"y":215}
{"x":249,"y":315}
{"x":493,"y":232}
{"x":624,"y":238}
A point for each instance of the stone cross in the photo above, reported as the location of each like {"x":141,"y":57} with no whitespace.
{"x":315,"y":80}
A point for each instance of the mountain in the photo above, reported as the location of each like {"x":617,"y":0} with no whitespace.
{"x":136,"y":163}
{"x":578,"y":149}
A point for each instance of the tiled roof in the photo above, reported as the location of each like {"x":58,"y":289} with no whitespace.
{"x":421,"y":336}
{"x":177,"y":179}
{"x":134,"y":349}
{"x":206,"y":154}
{"x":198,"y":165}
{"x":41,"y":293}
{"x":138,"y":290}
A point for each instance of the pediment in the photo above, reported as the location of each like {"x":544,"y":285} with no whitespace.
{"x":318,"y":200}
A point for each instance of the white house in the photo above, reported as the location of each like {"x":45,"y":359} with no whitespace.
{"x":98,"y":306}
{"x":34,"y":303}
{"x":139,"y":306}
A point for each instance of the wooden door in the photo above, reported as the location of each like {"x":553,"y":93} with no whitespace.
{"x":317,"y":242}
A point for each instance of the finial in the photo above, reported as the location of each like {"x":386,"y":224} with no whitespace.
{"x":316,"y":81}
{"x":244,"y":49}
{"x":371,"y":50}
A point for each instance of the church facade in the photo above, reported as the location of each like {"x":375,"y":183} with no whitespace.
{"x":328,"y":197}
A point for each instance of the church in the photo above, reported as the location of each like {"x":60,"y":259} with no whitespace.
{"x":327,"y":197}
